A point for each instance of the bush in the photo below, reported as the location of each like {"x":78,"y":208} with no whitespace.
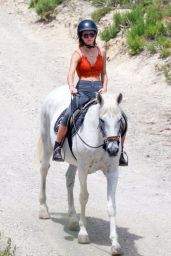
{"x":98,"y":2}
{"x":97,"y":15}
{"x":33,"y":3}
{"x":153,"y":15}
{"x":135,"y":44}
{"x":137,"y":29}
{"x":165,"y":53}
{"x":136,"y":15}
{"x":150,"y":31}
{"x":8,"y":250}
{"x":112,"y":3}
{"x":109,"y":33}
{"x":117,"y":18}
{"x":44,"y":6}
{"x":151,"y":48}
{"x":163,"y":41}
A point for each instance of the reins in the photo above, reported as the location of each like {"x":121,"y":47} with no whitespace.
{"x":101,"y":145}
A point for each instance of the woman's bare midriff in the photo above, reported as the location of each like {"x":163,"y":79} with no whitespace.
{"x":91,"y":78}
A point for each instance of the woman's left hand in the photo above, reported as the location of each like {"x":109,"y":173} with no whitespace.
{"x":102,"y":90}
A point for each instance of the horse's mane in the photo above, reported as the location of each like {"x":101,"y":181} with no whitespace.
{"x":109,"y":105}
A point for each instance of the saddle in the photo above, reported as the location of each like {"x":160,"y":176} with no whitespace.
{"x":75,"y":121}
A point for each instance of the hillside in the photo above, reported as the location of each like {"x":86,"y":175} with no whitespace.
{"x":34,"y":60}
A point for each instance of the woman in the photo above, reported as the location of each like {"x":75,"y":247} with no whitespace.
{"x":89,"y":61}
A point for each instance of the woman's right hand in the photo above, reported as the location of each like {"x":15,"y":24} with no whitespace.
{"x":73,"y":90}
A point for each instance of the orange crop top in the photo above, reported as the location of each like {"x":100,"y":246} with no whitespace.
{"x":86,"y":69}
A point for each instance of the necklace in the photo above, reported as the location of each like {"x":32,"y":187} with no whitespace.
{"x":91,"y":55}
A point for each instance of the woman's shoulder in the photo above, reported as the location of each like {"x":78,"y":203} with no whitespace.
{"x":77,"y":52}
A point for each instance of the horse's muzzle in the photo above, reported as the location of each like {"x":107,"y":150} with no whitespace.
{"x":112,"y":147}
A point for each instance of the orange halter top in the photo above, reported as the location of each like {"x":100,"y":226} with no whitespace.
{"x":86,"y":69}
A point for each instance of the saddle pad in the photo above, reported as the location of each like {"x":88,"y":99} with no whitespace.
{"x":78,"y":116}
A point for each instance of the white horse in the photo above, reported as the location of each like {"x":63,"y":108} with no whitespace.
{"x":88,"y":159}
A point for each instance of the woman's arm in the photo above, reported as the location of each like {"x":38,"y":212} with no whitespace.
{"x":104,"y":76}
{"x":73,"y":65}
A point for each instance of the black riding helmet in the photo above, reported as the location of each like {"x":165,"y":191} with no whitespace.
{"x":86,"y":25}
{"x":83,"y":26}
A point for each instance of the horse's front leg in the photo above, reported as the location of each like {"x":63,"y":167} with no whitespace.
{"x":112,"y":178}
{"x":70,"y":180}
{"x":83,"y":235}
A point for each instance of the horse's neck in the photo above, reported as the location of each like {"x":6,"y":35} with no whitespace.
{"x":91,"y":130}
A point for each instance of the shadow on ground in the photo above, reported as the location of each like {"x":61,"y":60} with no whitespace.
{"x":98,"y":230}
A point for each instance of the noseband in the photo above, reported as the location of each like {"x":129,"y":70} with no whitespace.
{"x":115,"y":138}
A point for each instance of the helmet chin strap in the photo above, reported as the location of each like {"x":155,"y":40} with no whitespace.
{"x":90,"y":46}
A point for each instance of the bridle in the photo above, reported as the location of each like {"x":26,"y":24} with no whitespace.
{"x":101,"y":126}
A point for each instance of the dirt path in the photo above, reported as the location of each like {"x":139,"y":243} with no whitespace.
{"x":33,"y":60}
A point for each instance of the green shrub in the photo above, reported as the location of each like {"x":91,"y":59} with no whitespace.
{"x":153,"y":15}
{"x":44,"y":6}
{"x":137,"y":29}
{"x":135,"y":44}
{"x":98,"y":2}
{"x":166,"y":71}
{"x":117,"y":18}
{"x":163,"y":41}
{"x":150,"y":31}
{"x":145,"y":26}
{"x":33,"y":3}
{"x":136,"y":15}
{"x":151,"y":48}
{"x":165,"y":52}
{"x":9,"y":250}
{"x":109,"y":33}
{"x":97,"y":15}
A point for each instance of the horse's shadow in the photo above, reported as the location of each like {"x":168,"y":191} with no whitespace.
{"x":98,"y":230}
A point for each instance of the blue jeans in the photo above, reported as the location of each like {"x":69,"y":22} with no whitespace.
{"x":86,"y":91}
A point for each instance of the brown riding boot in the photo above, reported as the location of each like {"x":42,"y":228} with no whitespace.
{"x":57,"y":156}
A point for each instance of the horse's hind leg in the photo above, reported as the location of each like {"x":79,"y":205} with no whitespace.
{"x":70,"y":180}
{"x":46,"y":154}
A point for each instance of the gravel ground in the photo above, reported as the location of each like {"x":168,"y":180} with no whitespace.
{"x":34,"y":59}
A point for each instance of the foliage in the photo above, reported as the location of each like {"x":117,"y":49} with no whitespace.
{"x":112,"y":3}
{"x":166,"y":70}
{"x":145,"y":27}
{"x":9,"y":250}
{"x":151,"y":48}
{"x":165,"y":52}
{"x":135,"y":44}
{"x":97,"y":15}
{"x":44,"y":6}
{"x":109,"y":33}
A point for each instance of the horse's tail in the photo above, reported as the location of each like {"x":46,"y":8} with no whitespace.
{"x":39,"y":149}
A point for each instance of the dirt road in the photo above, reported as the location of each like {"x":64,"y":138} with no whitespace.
{"x":34,"y":59}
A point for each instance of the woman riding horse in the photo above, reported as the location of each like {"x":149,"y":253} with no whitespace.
{"x":89,"y":61}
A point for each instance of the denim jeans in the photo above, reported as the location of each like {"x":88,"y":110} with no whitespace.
{"x":86,"y":91}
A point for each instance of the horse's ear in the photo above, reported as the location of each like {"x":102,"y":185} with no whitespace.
{"x":99,"y":98}
{"x":119,"y":98}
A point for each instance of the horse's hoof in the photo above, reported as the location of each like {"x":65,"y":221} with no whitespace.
{"x":116,"y":251}
{"x":83,"y":239}
{"x":43,"y":213}
{"x":73,"y":226}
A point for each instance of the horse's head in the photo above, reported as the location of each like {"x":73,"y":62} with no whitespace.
{"x":110,"y":121}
